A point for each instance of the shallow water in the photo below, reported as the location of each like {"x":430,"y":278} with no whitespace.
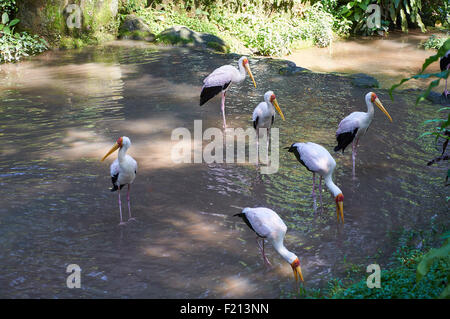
{"x":62,"y":111}
{"x":388,"y":59}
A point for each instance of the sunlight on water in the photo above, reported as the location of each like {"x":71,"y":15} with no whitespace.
{"x":62,"y":111}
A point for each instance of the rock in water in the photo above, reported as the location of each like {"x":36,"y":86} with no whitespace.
{"x":180,"y":35}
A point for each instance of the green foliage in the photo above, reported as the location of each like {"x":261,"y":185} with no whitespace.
{"x":250,"y":26}
{"x":15,"y":45}
{"x":434,"y":42}
{"x":429,"y":259}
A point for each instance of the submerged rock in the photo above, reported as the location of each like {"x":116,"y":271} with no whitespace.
{"x":180,"y":35}
{"x":437,"y":98}
{"x":363,"y":80}
{"x":135,"y":28}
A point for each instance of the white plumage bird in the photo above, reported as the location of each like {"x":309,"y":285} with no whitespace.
{"x":318,"y":160}
{"x":123,"y":171}
{"x":355,"y":125}
{"x":268,"y":225}
{"x":264,"y":114}
{"x":221,"y":78}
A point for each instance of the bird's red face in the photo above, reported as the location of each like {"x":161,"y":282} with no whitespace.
{"x":245,"y":62}
{"x":274,"y":101}
{"x":340,"y":207}
{"x":373,"y":97}
{"x":119,"y":141}
{"x":297,"y":270}
{"x":272,"y":97}
{"x":116,"y":146}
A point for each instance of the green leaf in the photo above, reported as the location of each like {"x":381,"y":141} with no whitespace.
{"x":429,"y":258}
{"x":5,"y":18}
{"x":14,"y":22}
{"x":445,"y":294}
{"x":441,"y":52}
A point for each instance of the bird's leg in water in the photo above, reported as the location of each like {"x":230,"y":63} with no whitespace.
{"x":320,"y":194}
{"x":261,"y":249}
{"x":314,"y":192}
{"x":268,"y":141}
{"x":353,"y":157}
{"x":223,"y":110}
{"x":120,"y":209}
{"x":128,"y":200}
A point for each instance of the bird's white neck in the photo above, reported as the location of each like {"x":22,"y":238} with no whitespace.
{"x":242,"y":72}
{"x":369,"y":107}
{"x":332,"y":186}
{"x":286,"y":254}
{"x":122,"y":153}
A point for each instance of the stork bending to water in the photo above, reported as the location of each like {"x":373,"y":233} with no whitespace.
{"x":355,"y":125}
{"x":220,"y":79}
{"x":268,"y":225}
{"x":318,"y":160}
{"x":123,"y":171}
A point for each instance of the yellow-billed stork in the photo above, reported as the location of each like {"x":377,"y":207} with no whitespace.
{"x":264,"y":114}
{"x":355,"y":125}
{"x":221,"y":78}
{"x":268,"y":225}
{"x":318,"y":160}
{"x":123,"y":171}
{"x":445,"y":65}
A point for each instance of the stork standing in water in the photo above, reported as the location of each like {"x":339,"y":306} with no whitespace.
{"x":355,"y":125}
{"x":220,"y":79}
{"x":268,"y":225}
{"x":445,"y":65}
{"x":318,"y":160}
{"x":123,"y":171}
{"x":264,"y":115}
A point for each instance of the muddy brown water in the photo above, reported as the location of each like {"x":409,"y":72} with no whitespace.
{"x":62,"y":111}
{"x":388,"y":59}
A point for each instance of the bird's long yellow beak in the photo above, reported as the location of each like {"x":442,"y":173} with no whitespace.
{"x":340,"y":211}
{"x":298,"y":273}
{"x":112,"y":150}
{"x":275,"y":103}
{"x":250,"y":73}
{"x":381,"y":107}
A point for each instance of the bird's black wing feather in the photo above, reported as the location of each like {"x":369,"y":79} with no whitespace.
{"x":242,"y":215}
{"x":294,"y":149}
{"x":344,"y":139}
{"x":209,"y":92}
{"x":444,"y":62}
{"x":114,"y":180}
{"x":255,"y":122}
{"x":273,"y":119}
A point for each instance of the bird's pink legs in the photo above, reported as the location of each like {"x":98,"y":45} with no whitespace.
{"x":261,"y":249}
{"x":320,"y":193}
{"x":120,"y":209}
{"x":314,"y":191}
{"x":128,"y":200}
{"x":354,"y":150}
{"x":223,"y":110}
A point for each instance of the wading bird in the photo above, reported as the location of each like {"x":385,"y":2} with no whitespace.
{"x":221,"y":78}
{"x":356,"y":124}
{"x":318,"y":160}
{"x":264,"y":115}
{"x":123,"y":171}
{"x":268,"y":225}
{"x":445,"y":65}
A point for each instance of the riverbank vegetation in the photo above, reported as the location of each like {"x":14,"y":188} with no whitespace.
{"x":15,"y":45}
